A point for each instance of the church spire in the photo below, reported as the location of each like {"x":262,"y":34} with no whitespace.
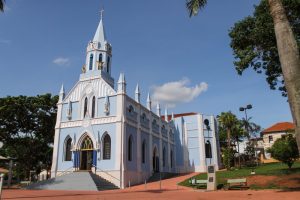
{"x":61,"y":93}
{"x":100,"y":33}
{"x":98,"y":56}
{"x":137,"y":96}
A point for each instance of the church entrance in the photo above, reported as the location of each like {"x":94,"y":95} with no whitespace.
{"x":155,"y":160}
{"x":86,"y":154}
{"x":86,"y":160}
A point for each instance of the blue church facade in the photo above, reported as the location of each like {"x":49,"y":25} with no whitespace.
{"x":102,"y":129}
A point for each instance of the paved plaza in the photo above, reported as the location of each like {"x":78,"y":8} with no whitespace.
{"x":169,"y":191}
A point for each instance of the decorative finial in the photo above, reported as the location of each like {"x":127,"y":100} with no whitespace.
{"x":101,"y":13}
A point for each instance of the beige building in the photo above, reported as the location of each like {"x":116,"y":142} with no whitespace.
{"x":273,"y":133}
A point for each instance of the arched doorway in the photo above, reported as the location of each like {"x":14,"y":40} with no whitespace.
{"x":155,"y":159}
{"x":86,"y":154}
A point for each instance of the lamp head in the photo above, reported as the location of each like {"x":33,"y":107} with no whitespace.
{"x":249,"y":106}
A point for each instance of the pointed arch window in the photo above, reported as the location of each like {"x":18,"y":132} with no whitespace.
{"x":164,"y":156}
{"x":91,"y":61}
{"x":144,"y":152}
{"x":85,"y":108}
{"x":100,"y":57}
{"x":106,"y":147}
{"x":129,"y":152}
{"x":93,"y":106}
{"x":68,"y":153}
{"x":208,"y":149}
{"x":108,"y":63}
{"x":87,"y":144}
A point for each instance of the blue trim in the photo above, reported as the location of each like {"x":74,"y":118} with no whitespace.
{"x":95,"y":158}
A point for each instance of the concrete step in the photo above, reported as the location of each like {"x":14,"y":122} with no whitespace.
{"x":74,"y":181}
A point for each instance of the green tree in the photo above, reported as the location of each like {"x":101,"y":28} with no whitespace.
{"x":227,"y":121}
{"x":288,"y":52}
{"x":27,"y":131}
{"x":285,"y":150}
{"x":254,"y":45}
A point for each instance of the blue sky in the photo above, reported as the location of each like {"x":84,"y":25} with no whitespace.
{"x":154,"y":43}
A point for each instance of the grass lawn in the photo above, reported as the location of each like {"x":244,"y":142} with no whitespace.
{"x":272,"y":169}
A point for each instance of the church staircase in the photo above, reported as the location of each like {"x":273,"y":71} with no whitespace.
{"x":82,"y":180}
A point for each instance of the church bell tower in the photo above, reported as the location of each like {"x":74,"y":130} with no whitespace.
{"x":98,"y":56}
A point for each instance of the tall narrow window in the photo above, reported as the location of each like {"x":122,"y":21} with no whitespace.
{"x":85,"y":109}
{"x":108,"y":63}
{"x":144,"y":152}
{"x":100,"y":57}
{"x":93,"y":107}
{"x":208,"y":149}
{"x":164,"y":157}
{"x":68,"y":155}
{"x":129,"y":148}
{"x":106,"y":147}
{"x":91,"y":61}
{"x":171,"y":158}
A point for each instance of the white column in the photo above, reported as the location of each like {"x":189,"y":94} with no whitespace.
{"x":160,"y":148}
{"x":150,"y":146}
{"x":139,"y":148}
{"x":214,"y":142}
{"x":202,"y":166}
{"x":56,"y":141}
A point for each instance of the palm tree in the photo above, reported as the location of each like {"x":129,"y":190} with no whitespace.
{"x":228,"y":121}
{"x":2,"y":5}
{"x":288,"y":54}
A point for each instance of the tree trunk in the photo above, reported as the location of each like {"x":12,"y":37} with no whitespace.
{"x":228,"y":147}
{"x":289,"y":60}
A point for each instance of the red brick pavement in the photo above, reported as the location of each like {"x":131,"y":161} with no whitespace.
{"x":169,"y":191}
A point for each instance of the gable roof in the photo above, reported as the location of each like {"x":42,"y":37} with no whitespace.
{"x":279,"y":127}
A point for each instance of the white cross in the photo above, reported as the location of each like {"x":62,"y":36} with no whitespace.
{"x":101,"y":13}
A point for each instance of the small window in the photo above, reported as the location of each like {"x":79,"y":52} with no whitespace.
{"x":143,"y":117}
{"x":129,"y":148}
{"x":108,"y":63}
{"x":208,"y":153}
{"x":130,"y":109}
{"x":270,"y":138}
{"x":68,"y":153}
{"x":100,"y":57}
{"x":144,"y":152}
{"x":85,"y":110}
{"x":154,"y":122}
{"x":91,"y":61}
{"x":106,"y":147}
{"x":93,"y":107}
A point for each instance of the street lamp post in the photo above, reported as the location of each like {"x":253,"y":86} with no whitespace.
{"x":248,"y":107}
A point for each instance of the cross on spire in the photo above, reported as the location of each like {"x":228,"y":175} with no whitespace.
{"x":101,"y":13}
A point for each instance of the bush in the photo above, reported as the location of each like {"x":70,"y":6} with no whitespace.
{"x":285,"y":150}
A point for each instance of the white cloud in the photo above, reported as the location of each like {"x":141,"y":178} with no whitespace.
{"x":62,"y":61}
{"x":172,"y":93}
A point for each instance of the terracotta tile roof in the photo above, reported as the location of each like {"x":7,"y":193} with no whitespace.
{"x":279,"y":127}
{"x":178,"y":115}
{"x":2,"y":170}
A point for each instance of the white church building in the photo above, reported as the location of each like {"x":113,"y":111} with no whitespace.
{"x":101,"y":129}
